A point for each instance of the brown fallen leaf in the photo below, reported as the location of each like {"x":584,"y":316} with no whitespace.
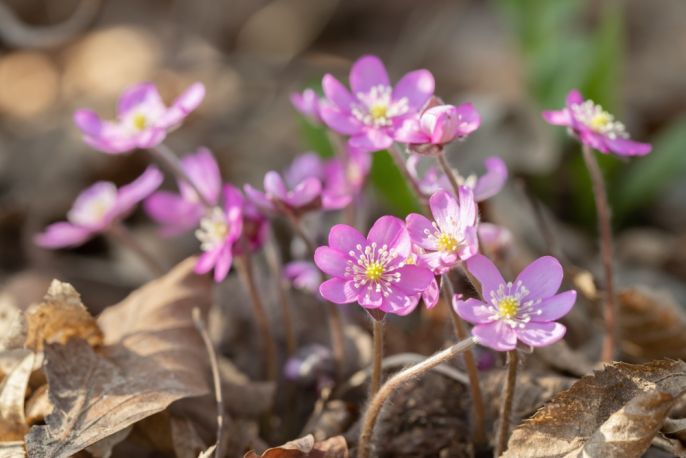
{"x":152,"y":357}
{"x":60,"y":317}
{"x":615,"y":413}
{"x":12,"y":323}
{"x":12,"y":393}
{"x":12,"y":450}
{"x":38,"y":406}
{"x":306,"y":447}
{"x":651,"y":325}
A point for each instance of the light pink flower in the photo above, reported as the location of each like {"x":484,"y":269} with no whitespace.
{"x":307,"y":103}
{"x":440,"y":124}
{"x":303,"y":275}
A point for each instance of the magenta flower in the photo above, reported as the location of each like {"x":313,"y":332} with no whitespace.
{"x":97,"y":208}
{"x":524,"y":310}
{"x":374,"y":110}
{"x":255,"y":229}
{"x":143,"y":120}
{"x":180,"y":212}
{"x":494,"y":238}
{"x":595,"y":127}
{"x":485,"y":186}
{"x":307,"y":103}
{"x":372,"y":270}
{"x":452,"y":236}
{"x":439,"y":125}
{"x":432,"y":292}
{"x":220,"y":229}
{"x":303,"y":275}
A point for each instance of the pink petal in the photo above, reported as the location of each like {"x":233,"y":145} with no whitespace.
{"x":541,"y":334}
{"x":409,"y":132}
{"x":413,"y":279}
{"x":399,"y":303}
{"x":345,"y":238}
{"x":555,"y":307}
{"x":445,"y":210}
{"x":421,"y":231}
{"x":371,"y":140}
{"x":207,"y":260}
{"x":304,"y":166}
{"x":150,"y":138}
{"x":367,"y":72}
{"x":542,"y":277}
{"x":625,"y":147}
{"x":496,"y":335}
{"x":490,"y":183}
{"x":338,"y":291}
{"x":472,"y":310}
{"x":305,"y":192}
{"x":391,"y":231}
{"x":184,"y":104}
{"x":558,"y":117}
{"x":202,"y":168}
{"x":340,"y":121}
{"x":468,"y":213}
{"x":470,"y":247}
{"x":131,"y":194}
{"x":258,"y":198}
{"x":337,"y":94}
{"x":274,"y":186}
{"x":469,"y":119}
{"x":417,"y":87}
{"x":574,"y":97}
{"x":88,"y":122}
{"x":232,"y":198}
{"x":137,"y":95}
{"x":431,"y":294}
{"x":331,"y":262}
{"x":63,"y":235}
{"x":223,"y":264}
{"x":369,"y":297}
{"x":176,"y":214}
{"x":486,"y":273}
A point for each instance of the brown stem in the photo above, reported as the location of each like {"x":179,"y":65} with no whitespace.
{"x":276,"y":267}
{"x":470,"y":363}
{"x":169,"y":159}
{"x":244,"y":266}
{"x":506,"y":404}
{"x":121,"y":234}
{"x":448,"y":171}
{"x":394,"y":383}
{"x":378,"y":357}
{"x":202,"y":330}
{"x":298,"y":228}
{"x":400,"y":163}
{"x":337,"y":338}
{"x":605,"y":229}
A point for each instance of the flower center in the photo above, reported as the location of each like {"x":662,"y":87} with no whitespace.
{"x":447,"y":243}
{"x":378,"y":111}
{"x":139,"y":121}
{"x":377,"y":107}
{"x":508,"y":307}
{"x":372,"y":266}
{"x":374,"y":271}
{"x":90,"y":210}
{"x":213,"y":230}
{"x":598,"y":120}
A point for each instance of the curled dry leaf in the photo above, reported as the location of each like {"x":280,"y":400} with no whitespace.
{"x":306,"y":447}
{"x":651,"y":325}
{"x":152,"y":357}
{"x":60,"y":317}
{"x":12,"y":323}
{"x":614,"y":413}
{"x":12,"y":450}
{"x":12,"y":393}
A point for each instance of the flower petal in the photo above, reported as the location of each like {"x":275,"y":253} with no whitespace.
{"x":88,"y":121}
{"x":367,"y":72}
{"x":131,"y":194}
{"x":274,"y":186}
{"x":137,"y":95}
{"x":175,"y":214}
{"x":207,"y":260}
{"x":399,"y":303}
{"x":431,"y":294}
{"x":472,"y":310}
{"x":469,"y":211}
{"x":445,"y":211}
{"x":496,"y":335}
{"x":557,"y":117}
{"x":421,"y":231}
{"x":341,"y":122}
{"x":184,"y":104}
{"x":338,"y":291}
{"x":413,"y":279}
{"x":305,"y":192}
{"x":223,"y":264}
{"x":331,"y":262}
{"x":541,"y":334}
{"x":625,"y":147}
{"x":202,"y":168}
{"x":469,"y":119}
{"x":555,"y":307}
{"x":337,"y":94}
{"x":258,"y":198}
{"x":574,"y":97}
{"x":490,"y":183}
{"x":346,"y":238}
{"x":486,"y":273}
{"x":63,"y":235}
{"x":542,"y":277}
{"x":391,"y":231}
{"x":417,"y":87}
{"x":371,"y":140}
{"x":304,"y":166}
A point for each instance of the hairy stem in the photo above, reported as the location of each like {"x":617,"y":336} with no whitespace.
{"x":298,"y":228}
{"x":378,"y":357}
{"x":605,"y":230}
{"x":121,"y":234}
{"x":470,"y":363}
{"x":169,"y":159}
{"x":394,"y":383}
{"x":276,"y":267}
{"x":400,"y":163}
{"x":506,"y":404}
{"x":448,"y":171}
{"x":244,"y":266}
{"x":337,"y":336}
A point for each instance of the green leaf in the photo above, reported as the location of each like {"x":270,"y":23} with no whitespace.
{"x":316,"y":138}
{"x":391,"y":185}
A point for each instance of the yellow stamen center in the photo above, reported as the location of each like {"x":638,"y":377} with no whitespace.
{"x":139,"y":121}
{"x":379,"y":111}
{"x":374,"y":271}
{"x":508,"y":307}
{"x":447,"y":243}
{"x":600,"y":120}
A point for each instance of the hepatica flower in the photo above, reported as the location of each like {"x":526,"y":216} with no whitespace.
{"x":97,"y":208}
{"x":374,"y":110}
{"x":143,"y":120}
{"x":439,"y":125}
{"x":180,"y":212}
{"x":452,"y":236}
{"x":373,"y":270}
{"x":523,"y":310}
{"x":303,"y":275}
{"x":485,"y":186}
{"x":595,"y":127}
{"x":307,"y":103}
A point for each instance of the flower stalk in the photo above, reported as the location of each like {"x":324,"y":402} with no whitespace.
{"x":122,"y":235}
{"x":506,"y":404}
{"x":276,"y":267}
{"x":378,"y":401}
{"x":377,"y":334}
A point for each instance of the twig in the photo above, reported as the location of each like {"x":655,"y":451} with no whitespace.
{"x":394,"y":383}
{"x":605,"y":229}
{"x":169,"y":159}
{"x":202,"y":329}
{"x":121,"y":234}
{"x":377,"y":357}
{"x":506,"y":404}
{"x":275,"y":265}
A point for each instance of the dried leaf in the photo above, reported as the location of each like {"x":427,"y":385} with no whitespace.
{"x":12,"y":323}
{"x":60,"y":317}
{"x":185,"y":439}
{"x":12,"y":450}
{"x":306,"y":447}
{"x":12,"y":393}
{"x":153,"y":357}
{"x":614,"y":413}
{"x":38,"y":405}
{"x":242,"y":396}
{"x":651,"y":325}
{"x":103,"y":448}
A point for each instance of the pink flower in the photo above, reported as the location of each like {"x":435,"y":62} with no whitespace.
{"x":485,"y":186}
{"x":303,"y":275}
{"x":97,"y":208}
{"x":439,"y":125}
{"x":372,"y":270}
{"x":524,"y":310}
{"x":307,"y":103}
{"x":180,"y":212}
{"x":432,"y":292}
{"x":374,"y":110}
{"x":595,"y":127}
{"x":220,"y":229}
{"x":452,"y":236}
{"x":494,"y":238}
{"x":143,"y":120}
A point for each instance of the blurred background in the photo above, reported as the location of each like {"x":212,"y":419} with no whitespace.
{"x":511,"y":58}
